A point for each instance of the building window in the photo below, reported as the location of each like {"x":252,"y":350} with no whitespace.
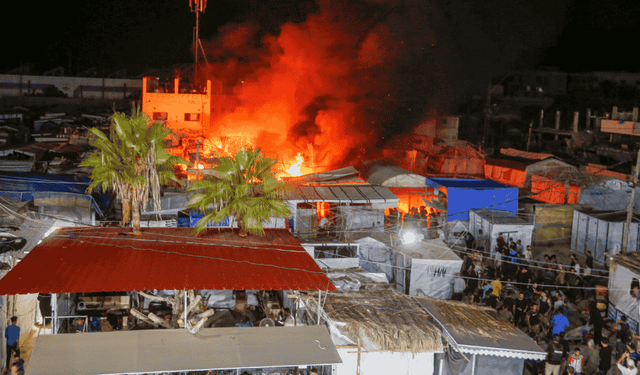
{"x":160,"y":116}
{"x":634,"y":288}
{"x":191,"y":117}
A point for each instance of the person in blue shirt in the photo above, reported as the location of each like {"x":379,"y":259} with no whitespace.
{"x":12,"y":334}
{"x":559,"y":323}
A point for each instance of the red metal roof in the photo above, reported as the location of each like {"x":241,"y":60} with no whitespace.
{"x":113,"y":259}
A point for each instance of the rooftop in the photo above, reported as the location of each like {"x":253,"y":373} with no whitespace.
{"x":84,"y":259}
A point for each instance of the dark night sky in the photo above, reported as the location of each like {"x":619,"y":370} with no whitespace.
{"x":442,"y":50}
{"x":575,"y":35}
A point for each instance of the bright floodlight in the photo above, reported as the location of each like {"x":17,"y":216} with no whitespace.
{"x":409,"y":237}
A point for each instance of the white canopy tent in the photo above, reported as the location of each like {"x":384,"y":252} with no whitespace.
{"x":425,"y":268}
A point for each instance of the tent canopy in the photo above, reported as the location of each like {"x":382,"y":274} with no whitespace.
{"x":150,"y":351}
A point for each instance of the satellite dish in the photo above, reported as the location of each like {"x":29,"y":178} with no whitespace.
{"x":267,"y":322}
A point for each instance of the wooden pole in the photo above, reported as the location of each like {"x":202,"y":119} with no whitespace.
{"x":540,"y":126}
{"x":555,"y":136}
{"x":186,"y":324}
{"x":627,"y":227}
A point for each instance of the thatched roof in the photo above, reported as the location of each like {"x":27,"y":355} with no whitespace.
{"x":478,"y":329}
{"x":389,"y":320}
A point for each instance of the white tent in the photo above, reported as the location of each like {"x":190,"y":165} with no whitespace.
{"x":425,"y":268}
{"x":494,"y":222}
{"x":623,"y":273}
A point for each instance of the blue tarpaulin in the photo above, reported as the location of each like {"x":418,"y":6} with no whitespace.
{"x":466,"y":194}
{"x":23,"y":185}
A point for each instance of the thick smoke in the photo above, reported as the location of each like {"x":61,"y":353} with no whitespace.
{"x":352,"y":73}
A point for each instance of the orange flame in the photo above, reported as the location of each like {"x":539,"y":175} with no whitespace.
{"x":294,"y":170}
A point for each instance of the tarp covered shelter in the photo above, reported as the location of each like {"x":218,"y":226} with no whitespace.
{"x":496,"y":222}
{"x":463,"y":195}
{"x":623,"y":272}
{"x":425,"y":268}
{"x":610,"y":194}
{"x":518,"y":171}
{"x":27,"y":186}
{"x":492,"y":345}
{"x":601,"y":231}
{"x":410,"y":188}
{"x":173,"y":350}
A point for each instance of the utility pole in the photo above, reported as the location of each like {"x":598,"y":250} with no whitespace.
{"x":627,"y":227}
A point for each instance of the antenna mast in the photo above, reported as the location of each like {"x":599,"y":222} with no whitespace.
{"x":197,"y":7}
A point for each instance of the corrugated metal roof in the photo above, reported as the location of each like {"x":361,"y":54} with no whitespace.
{"x":169,"y":350}
{"x":500,"y":217}
{"x":465,"y":183}
{"x":479,"y":330}
{"x":393,"y":176}
{"x":342,"y":194}
{"x":112,"y":259}
{"x":342,"y":175}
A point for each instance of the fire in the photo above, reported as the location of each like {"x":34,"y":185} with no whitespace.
{"x":294,"y":170}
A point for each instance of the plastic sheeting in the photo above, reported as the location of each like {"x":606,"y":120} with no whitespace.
{"x":427,"y":268}
{"x":620,"y":290}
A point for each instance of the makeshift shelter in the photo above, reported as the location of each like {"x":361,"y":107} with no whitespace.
{"x":375,"y":252}
{"x":553,"y":222}
{"x":425,"y":268}
{"x":518,"y":171}
{"x":379,"y":332}
{"x":334,"y":254}
{"x":462,"y":195}
{"x":161,"y":259}
{"x":602,"y":233}
{"x":561,"y":186}
{"x":169,"y":351}
{"x":434,"y":156}
{"x":407,"y":186}
{"x":496,"y":222}
{"x":59,"y":195}
{"x":480,"y":341}
{"x":609,"y":194}
{"x":624,"y":275}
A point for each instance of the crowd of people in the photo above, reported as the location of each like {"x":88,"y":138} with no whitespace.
{"x":535,"y":295}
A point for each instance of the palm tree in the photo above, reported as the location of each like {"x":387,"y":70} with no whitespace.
{"x":132,"y":162}
{"x":244,"y":188}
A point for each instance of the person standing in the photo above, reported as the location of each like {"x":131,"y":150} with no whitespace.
{"x":559,"y":323}
{"x":605,"y":357}
{"x":521,"y":306}
{"x":527,"y":253}
{"x":554,"y":357}
{"x":591,"y":359}
{"x":12,"y":334}
{"x":576,"y":361}
{"x":458,"y":287}
{"x":596,"y":319}
{"x":626,"y":365}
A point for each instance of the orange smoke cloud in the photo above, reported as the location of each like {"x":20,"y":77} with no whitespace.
{"x":308,"y":90}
